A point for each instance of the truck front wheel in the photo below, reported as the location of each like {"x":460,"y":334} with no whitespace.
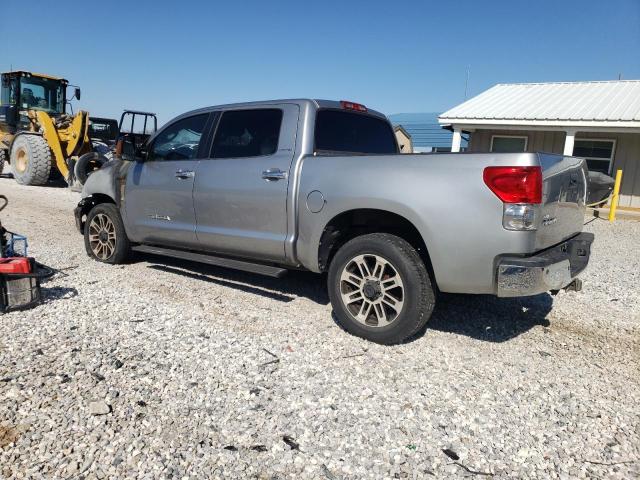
{"x":105,"y":239}
{"x":380,"y":289}
{"x":30,"y":160}
{"x":4,"y":156}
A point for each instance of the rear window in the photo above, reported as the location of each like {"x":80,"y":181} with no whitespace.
{"x":339,"y":131}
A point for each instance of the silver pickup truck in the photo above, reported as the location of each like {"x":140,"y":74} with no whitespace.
{"x":320,"y":185}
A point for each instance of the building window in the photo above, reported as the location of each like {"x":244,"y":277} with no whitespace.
{"x":598,"y":153}
{"x":508,"y":143}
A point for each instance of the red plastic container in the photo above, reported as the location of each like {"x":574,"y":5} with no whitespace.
{"x":15,"y":265}
{"x":20,"y":283}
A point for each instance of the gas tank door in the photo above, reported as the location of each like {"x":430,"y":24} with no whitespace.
{"x":315,"y":201}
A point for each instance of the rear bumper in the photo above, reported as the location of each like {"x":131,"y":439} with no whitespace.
{"x":550,"y":269}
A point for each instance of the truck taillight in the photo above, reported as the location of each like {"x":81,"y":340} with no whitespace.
{"x":515,"y":184}
{"x":352,"y":106}
{"x":520,"y":189}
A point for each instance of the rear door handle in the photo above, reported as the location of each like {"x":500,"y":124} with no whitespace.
{"x":274,"y":174}
{"x":184,"y":174}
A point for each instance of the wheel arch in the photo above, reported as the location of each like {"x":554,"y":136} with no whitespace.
{"x":352,"y":223}
{"x":88,"y":203}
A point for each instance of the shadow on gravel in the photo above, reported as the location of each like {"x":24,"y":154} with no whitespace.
{"x":286,"y":289}
{"x":58,"y":293}
{"x":55,"y":181}
{"x":489,"y":318}
{"x":482,"y":317}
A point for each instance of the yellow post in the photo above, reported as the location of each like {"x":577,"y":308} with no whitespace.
{"x":614,"y":198}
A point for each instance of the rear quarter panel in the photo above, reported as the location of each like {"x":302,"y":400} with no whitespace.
{"x":442,"y":195}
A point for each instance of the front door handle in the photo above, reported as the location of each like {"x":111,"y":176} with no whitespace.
{"x":274,"y":174}
{"x":184,"y":174}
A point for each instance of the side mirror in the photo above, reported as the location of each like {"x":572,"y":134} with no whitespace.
{"x":127,"y":149}
{"x":141,"y":153}
{"x":77,"y":93}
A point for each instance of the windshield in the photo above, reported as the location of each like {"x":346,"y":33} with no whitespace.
{"x":340,"y":131}
{"x":42,"y":94}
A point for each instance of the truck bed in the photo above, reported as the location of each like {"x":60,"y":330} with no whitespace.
{"x":444,"y":196}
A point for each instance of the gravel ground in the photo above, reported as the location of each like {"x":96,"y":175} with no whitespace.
{"x":167,"y":369}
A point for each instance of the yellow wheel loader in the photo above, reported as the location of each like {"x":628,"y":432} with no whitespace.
{"x":37,"y":137}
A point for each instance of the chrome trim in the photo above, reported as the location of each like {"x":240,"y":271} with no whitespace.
{"x":274,"y":174}
{"x":520,"y":281}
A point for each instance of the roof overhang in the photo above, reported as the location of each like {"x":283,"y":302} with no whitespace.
{"x":563,"y":125}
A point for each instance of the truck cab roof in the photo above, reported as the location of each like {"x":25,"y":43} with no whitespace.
{"x":302,"y":102}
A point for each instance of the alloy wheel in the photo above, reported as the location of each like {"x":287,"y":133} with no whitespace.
{"x":372,"y":290}
{"x":102,"y":236}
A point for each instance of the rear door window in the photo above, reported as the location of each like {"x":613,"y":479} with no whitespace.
{"x":340,"y":131}
{"x":247,"y":133}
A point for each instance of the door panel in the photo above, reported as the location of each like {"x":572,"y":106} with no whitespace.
{"x":159,"y":205}
{"x":159,"y":192}
{"x":241,"y":202}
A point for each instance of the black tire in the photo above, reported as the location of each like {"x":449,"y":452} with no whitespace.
{"x":87,"y":164}
{"x":4,"y":156}
{"x":30,"y":160}
{"x":120,"y":249}
{"x":418,"y":296}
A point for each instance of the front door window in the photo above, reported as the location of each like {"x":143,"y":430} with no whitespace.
{"x":179,"y":141}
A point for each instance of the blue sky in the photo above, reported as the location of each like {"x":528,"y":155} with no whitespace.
{"x":393,"y":56}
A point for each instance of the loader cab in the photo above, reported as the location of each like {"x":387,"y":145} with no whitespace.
{"x":22,"y":91}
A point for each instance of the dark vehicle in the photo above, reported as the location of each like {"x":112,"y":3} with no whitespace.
{"x":104,"y":130}
{"x":600,"y":187}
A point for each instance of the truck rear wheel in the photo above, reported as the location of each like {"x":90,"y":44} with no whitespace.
{"x":104,"y":237}
{"x":30,"y":160}
{"x":380,"y":289}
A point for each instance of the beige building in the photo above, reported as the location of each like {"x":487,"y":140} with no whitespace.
{"x":599,"y":121}
{"x":404,"y":139}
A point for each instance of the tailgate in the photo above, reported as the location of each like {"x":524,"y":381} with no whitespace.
{"x":564,"y":189}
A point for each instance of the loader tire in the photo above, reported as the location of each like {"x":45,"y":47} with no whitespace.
{"x":30,"y":160}
{"x":87,"y":164}
{"x":4,"y":156}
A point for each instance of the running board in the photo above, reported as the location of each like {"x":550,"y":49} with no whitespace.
{"x":268,"y":270}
